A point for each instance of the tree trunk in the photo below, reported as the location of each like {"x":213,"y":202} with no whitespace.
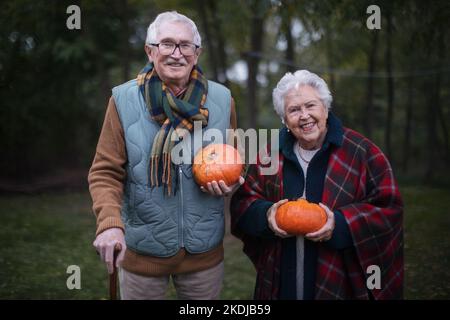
{"x":431,"y":130}
{"x":434,"y":111}
{"x":286,"y":24}
{"x":256,"y":43}
{"x":432,"y":136}
{"x":331,"y":64}
{"x":222,"y":64}
{"x":408,"y":118}
{"x":409,"y":108}
{"x":202,"y":10}
{"x":368,"y":114}
{"x":441,"y":117}
{"x":105,"y":83}
{"x":125,"y":43}
{"x":390,"y":89}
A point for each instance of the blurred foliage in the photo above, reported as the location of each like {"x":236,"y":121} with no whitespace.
{"x":55,"y":82}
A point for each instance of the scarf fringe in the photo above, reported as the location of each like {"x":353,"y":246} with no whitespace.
{"x":167,"y":172}
{"x":154,"y":162}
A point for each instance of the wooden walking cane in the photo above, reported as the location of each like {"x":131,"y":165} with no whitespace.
{"x":113,"y":276}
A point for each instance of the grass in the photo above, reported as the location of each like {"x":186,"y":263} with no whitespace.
{"x":427,"y":243}
{"x":40,"y":236}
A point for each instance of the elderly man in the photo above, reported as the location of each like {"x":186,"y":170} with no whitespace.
{"x":147,"y":206}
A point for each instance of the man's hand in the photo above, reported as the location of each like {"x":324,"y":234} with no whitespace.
{"x":324,"y":233}
{"x":272,"y":221}
{"x":221,"y":189}
{"x":105,"y":244}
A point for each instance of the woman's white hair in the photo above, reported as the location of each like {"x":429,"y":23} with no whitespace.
{"x":297,"y":79}
{"x":171,"y":16}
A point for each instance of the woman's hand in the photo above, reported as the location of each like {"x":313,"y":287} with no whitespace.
{"x":272,"y":222}
{"x":324,"y":233}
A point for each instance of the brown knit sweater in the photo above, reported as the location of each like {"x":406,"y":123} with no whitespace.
{"x":106,"y":179}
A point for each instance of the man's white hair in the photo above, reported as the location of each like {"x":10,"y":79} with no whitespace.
{"x":171,"y":16}
{"x":296,"y":80}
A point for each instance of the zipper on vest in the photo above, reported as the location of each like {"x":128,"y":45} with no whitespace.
{"x":180,"y":182}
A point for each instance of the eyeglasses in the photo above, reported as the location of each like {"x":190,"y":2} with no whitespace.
{"x":168,"y":48}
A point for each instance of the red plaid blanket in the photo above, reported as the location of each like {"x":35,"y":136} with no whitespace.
{"x":360,"y":183}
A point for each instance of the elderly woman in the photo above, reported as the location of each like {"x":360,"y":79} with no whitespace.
{"x":358,"y":253}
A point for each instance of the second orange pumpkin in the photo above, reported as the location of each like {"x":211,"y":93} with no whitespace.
{"x":300,"y":217}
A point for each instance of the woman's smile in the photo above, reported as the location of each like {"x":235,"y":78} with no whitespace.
{"x":308,"y":127}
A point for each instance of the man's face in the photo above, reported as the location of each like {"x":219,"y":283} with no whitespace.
{"x":173,"y":69}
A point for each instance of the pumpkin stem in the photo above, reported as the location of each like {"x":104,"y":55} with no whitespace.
{"x":212,"y":155}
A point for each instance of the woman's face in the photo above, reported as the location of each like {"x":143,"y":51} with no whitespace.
{"x":306,"y":116}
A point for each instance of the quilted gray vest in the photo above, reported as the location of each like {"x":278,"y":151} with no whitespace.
{"x":157,"y":224}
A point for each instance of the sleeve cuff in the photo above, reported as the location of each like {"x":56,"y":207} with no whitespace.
{"x":108,"y":223}
{"x":254,"y":220}
{"x":342,"y":237}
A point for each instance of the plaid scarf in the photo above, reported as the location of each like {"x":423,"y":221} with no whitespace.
{"x":174,"y":115}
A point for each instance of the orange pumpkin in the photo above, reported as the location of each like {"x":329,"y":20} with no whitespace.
{"x":300,"y":217}
{"x":217,"y":162}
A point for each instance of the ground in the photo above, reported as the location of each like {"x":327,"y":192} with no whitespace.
{"x":41,"y":235}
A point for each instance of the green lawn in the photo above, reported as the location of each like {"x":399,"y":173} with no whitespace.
{"x":41,"y":236}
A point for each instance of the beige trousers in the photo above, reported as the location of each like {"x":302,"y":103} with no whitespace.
{"x":201,"y":285}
